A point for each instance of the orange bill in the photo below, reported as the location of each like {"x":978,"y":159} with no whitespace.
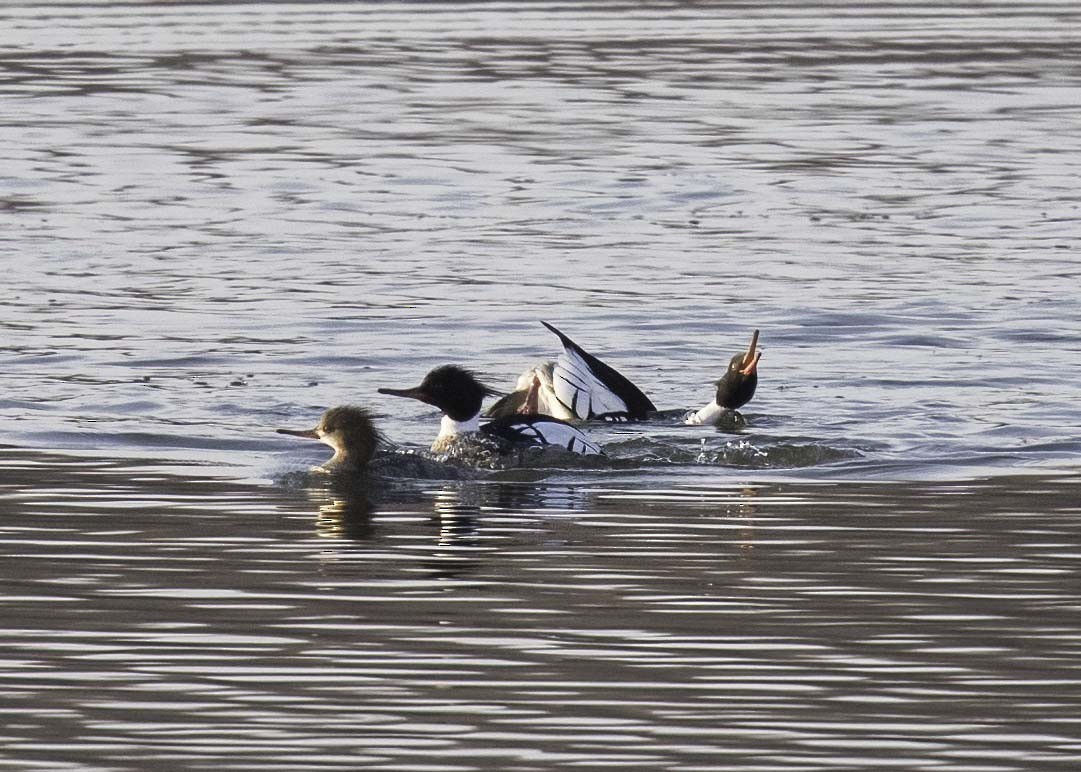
{"x":752,"y":368}
{"x":750,"y":359}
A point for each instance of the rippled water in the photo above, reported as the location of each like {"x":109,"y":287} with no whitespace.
{"x":220,"y":219}
{"x":168,"y":623}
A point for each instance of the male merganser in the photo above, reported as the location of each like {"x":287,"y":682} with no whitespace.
{"x":576,"y":387}
{"x":735,"y":388}
{"x":349,"y":430}
{"x":459,"y":394}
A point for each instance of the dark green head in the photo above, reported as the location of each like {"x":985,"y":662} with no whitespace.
{"x":737,"y":385}
{"x":454,"y":390}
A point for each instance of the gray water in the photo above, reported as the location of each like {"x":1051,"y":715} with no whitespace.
{"x":216,"y":220}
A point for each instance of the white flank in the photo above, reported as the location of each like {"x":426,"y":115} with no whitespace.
{"x":707,"y":415}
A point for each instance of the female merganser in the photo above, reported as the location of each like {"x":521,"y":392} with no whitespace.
{"x":459,"y":394}
{"x":735,"y":388}
{"x":576,"y":387}
{"x":349,"y":430}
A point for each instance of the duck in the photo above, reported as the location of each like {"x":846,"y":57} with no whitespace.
{"x":350,"y":431}
{"x":459,"y":394}
{"x":734,"y":389}
{"x":576,"y":387}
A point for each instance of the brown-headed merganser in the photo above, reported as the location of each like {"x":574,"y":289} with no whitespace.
{"x":350,"y":431}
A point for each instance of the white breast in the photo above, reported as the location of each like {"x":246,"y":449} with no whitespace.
{"x":450,"y":430}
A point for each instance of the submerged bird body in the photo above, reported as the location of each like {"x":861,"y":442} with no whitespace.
{"x":459,"y":394}
{"x":735,"y":388}
{"x":576,"y":387}
{"x":350,"y":431}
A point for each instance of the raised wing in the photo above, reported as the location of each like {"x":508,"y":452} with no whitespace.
{"x":591,"y":389}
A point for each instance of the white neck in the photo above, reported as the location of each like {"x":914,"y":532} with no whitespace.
{"x":449,"y":428}
{"x":706,"y":415}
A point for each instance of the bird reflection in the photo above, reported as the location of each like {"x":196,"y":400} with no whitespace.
{"x":520,"y":497}
{"x":457,"y":514}
{"x":359,"y":508}
{"x":346,"y":503}
{"x":748,"y":504}
{"x":346,"y":519}
{"x":745,"y":510}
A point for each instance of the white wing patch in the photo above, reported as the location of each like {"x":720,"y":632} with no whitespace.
{"x":580,"y":390}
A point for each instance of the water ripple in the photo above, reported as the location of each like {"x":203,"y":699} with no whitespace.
{"x":235,"y":216}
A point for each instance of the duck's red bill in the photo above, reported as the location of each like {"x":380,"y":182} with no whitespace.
{"x":751,"y":368}
{"x":310,"y":434}
{"x":414,"y":393}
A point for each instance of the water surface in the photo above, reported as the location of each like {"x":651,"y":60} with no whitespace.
{"x":219,"y":219}
{"x":160,"y":622}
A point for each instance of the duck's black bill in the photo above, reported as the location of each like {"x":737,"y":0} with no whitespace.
{"x":310,"y":434}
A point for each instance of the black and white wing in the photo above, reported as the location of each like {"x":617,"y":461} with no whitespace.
{"x":593,"y":390}
{"x":540,"y":431}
